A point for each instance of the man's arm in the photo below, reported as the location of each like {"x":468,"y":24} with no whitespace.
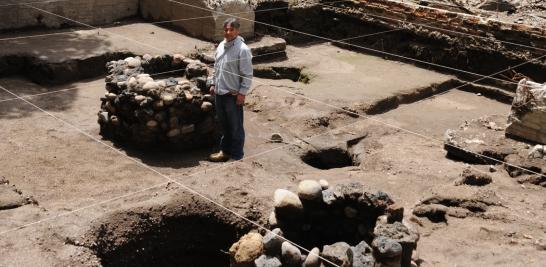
{"x":214,"y":81}
{"x":245,"y":70}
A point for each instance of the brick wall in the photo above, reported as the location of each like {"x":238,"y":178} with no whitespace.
{"x":457,"y":22}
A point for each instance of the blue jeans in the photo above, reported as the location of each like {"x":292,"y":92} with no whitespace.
{"x":230,"y":118}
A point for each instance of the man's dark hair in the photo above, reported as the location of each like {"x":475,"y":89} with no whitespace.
{"x":232,"y":22}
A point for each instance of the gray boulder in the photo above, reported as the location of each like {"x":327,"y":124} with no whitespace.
{"x":272,"y":242}
{"x":339,"y":253}
{"x":290,"y":254}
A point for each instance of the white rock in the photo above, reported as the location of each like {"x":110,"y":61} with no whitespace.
{"x":167,"y":99}
{"x":313,"y":259}
{"x":184,"y":83}
{"x":206,"y":106}
{"x":324,"y":184}
{"x":310,"y":190}
{"x":147,"y":57}
{"x":144,"y":79}
{"x":111,"y":96}
{"x":273,"y":219}
{"x":140,"y":98}
{"x":188,"y":95}
{"x":151,"y":85}
{"x":133,"y":62}
{"x":132,"y":82}
{"x":283,"y":198}
{"x":536,"y":152}
{"x":162,"y":84}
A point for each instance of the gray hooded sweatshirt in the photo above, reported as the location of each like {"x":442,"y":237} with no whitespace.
{"x":233,"y":67}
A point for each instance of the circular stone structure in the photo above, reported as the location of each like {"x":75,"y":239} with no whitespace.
{"x":173,"y":113}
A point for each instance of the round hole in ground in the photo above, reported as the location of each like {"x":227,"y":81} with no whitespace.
{"x":186,"y":232}
{"x":329,"y":158}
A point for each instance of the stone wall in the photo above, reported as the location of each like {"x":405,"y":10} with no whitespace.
{"x":93,"y":12}
{"x":199,"y":22}
{"x":527,"y":119}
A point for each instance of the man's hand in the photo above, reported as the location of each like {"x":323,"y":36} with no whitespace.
{"x":240,"y":99}
{"x":212,"y":90}
{"x":177,"y":59}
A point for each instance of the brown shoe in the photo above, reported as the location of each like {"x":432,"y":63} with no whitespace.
{"x":219,"y":157}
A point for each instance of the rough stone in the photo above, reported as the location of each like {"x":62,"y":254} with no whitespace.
{"x":133,"y":62}
{"x":267,"y":261}
{"x":290,"y":254}
{"x":313,"y":258}
{"x":362,"y":255}
{"x":247,"y":249}
{"x":324,"y":184}
{"x":384,"y":247}
{"x":339,"y":253}
{"x":527,"y":119}
{"x":395,"y":213}
{"x":206,"y":106}
{"x":328,"y":197}
{"x":536,"y":152}
{"x":267,"y":48}
{"x":401,"y":234}
{"x":272,"y":220}
{"x":273,"y":241}
{"x":287,"y":204}
{"x":196,"y":69}
{"x":309,"y":190}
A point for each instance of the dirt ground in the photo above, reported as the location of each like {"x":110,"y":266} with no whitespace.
{"x":77,"y":180}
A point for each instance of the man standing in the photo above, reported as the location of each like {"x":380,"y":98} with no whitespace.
{"x":230,"y":84}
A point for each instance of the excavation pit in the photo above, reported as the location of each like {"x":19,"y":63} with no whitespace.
{"x":187,"y":231}
{"x":328,"y":158}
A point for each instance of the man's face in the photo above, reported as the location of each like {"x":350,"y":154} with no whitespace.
{"x":230,"y":33}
